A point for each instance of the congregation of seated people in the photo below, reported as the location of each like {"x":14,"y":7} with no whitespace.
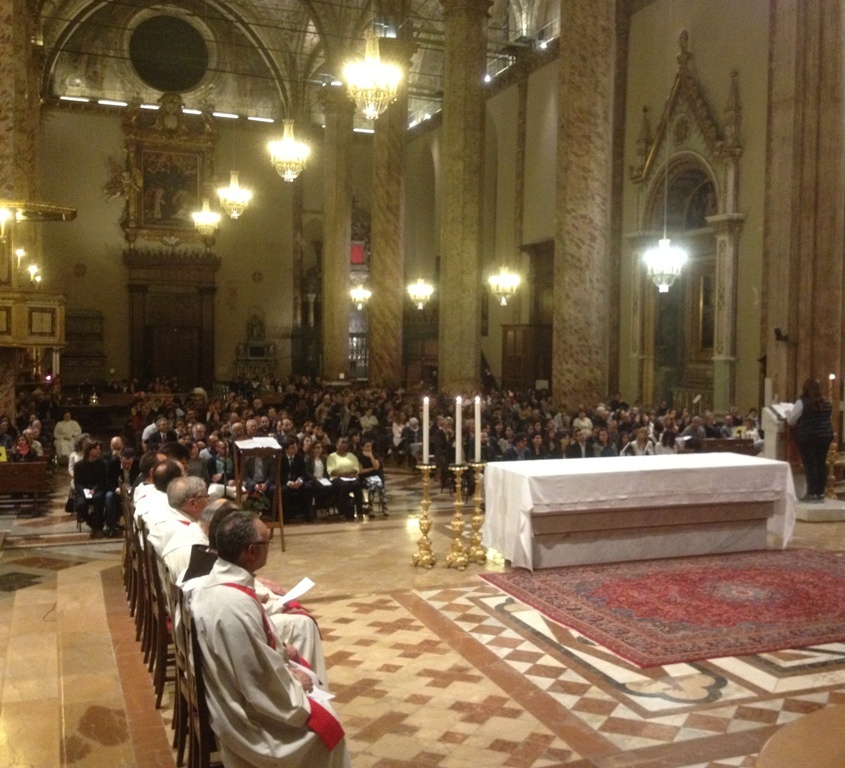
{"x":319,"y":474}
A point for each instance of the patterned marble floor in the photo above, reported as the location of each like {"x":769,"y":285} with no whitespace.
{"x":430,"y":667}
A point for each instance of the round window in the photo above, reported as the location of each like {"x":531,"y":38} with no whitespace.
{"x":168,"y":53}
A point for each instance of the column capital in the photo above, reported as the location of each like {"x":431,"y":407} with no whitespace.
{"x":726,"y":223}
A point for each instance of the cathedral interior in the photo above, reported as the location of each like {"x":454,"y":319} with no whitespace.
{"x":557,"y":140}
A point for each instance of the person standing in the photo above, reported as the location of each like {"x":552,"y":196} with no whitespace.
{"x":811,"y":417}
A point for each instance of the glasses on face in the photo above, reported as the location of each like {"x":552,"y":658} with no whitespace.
{"x":260,"y":543}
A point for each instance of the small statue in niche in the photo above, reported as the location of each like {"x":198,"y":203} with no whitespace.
{"x":255,"y":329}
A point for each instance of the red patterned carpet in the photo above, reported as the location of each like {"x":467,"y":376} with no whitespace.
{"x":658,"y":612}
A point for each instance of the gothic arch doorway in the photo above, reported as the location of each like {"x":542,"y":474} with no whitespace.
{"x":679,"y":326}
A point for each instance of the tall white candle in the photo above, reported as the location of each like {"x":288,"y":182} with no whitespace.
{"x":477,"y":429}
{"x":458,"y":435}
{"x":425,"y":430}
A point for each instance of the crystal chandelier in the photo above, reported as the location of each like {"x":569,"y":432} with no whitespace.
{"x":206,"y":220}
{"x":503,"y":285}
{"x":371,"y":83}
{"x":360,"y":295}
{"x":234,"y":199}
{"x":664,"y":264}
{"x":420,"y":292}
{"x":288,"y":155}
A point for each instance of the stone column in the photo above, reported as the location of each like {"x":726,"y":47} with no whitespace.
{"x":19,"y":93}
{"x":804,"y":240}
{"x":462,"y":164}
{"x":387,"y":255}
{"x":727,"y":228}
{"x":641,"y":321}
{"x":337,"y":222}
{"x":582,"y":271}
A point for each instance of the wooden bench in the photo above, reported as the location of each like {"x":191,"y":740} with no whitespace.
{"x":26,"y":478}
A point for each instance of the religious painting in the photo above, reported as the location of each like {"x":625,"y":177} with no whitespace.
{"x":171,"y":188}
{"x":169,"y":164}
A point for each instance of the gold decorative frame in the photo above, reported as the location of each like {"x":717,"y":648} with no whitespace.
{"x":169,"y":167}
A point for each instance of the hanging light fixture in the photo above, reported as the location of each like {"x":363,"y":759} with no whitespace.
{"x":664,"y":263}
{"x":371,"y":83}
{"x":420,"y":292}
{"x":360,"y":295}
{"x":288,"y":155}
{"x":234,"y":199}
{"x":206,"y":221}
{"x":503,"y":285}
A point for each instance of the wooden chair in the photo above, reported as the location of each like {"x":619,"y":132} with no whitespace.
{"x":181,"y":704}
{"x":162,"y":657}
{"x":131,"y":556}
{"x":201,"y":744}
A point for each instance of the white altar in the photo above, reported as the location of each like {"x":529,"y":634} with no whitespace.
{"x":543,"y":514}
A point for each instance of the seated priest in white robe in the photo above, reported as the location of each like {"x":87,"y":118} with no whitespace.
{"x":264,"y":711}
{"x":293,"y":625}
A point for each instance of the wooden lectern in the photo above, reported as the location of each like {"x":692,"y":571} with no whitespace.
{"x":259,"y":448}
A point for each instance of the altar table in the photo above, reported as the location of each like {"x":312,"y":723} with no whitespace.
{"x":548,"y":513}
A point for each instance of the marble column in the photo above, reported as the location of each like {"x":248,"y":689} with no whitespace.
{"x":727,"y":228}
{"x":641,"y":321}
{"x":19,"y":95}
{"x":11,"y":364}
{"x":804,"y":240}
{"x":582,"y":270}
{"x":387,"y":254}
{"x":462,"y":164}
{"x":337,"y":222}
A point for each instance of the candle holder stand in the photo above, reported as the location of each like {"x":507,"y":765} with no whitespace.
{"x":424,"y":556}
{"x":476,"y":553}
{"x":458,"y":557}
{"x":830,"y":485}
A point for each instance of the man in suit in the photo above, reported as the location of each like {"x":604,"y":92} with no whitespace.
{"x":162,"y":435}
{"x":296,"y":497}
{"x":578,"y":448}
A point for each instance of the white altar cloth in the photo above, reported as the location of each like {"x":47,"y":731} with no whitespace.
{"x":514,"y":490}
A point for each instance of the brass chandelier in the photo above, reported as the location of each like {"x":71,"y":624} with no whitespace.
{"x":288,"y":155}
{"x":234,"y":199}
{"x":371,"y":83}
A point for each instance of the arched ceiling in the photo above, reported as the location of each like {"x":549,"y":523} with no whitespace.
{"x":267,"y":58}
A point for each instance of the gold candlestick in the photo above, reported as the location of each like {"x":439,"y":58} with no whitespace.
{"x":458,"y":555}
{"x":424,"y":556}
{"x":477,"y":553}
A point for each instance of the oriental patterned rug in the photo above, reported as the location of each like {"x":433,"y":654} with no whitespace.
{"x":659,"y":612}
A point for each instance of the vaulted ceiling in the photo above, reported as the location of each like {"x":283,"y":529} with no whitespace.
{"x":266,"y":58}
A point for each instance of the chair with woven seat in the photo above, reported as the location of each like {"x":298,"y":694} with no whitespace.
{"x":201,"y":741}
{"x":160,"y":648}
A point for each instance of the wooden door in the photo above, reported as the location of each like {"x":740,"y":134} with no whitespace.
{"x":175,"y":352}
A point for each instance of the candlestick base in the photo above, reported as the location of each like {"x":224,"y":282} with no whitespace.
{"x":457,"y":556}
{"x":476,"y":553}
{"x":424,"y":556}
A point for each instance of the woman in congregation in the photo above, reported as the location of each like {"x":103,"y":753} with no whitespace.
{"x":371,"y":475}
{"x":602,"y":447}
{"x":642,"y":446}
{"x":667,"y":445}
{"x":317,"y":477}
{"x":22,"y":449}
{"x":811,"y":419}
{"x":536,"y":447}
